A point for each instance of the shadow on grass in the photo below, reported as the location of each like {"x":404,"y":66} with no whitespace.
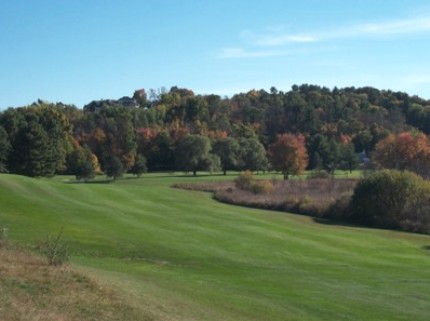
{"x":97,"y":181}
{"x":426,"y":247}
{"x":334,"y":222}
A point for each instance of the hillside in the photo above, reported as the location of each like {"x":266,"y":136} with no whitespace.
{"x":179,"y":255}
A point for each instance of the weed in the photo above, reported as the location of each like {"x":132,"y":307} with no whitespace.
{"x":55,"y":249}
{"x":3,"y":236}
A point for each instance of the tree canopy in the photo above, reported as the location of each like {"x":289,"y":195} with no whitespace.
{"x":288,"y":154}
{"x":337,"y":125}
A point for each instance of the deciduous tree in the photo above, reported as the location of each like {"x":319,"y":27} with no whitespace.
{"x":404,"y":151}
{"x":288,"y":154}
{"x":252,"y":155}
{"x":193,"y":154}
{"x":228,"y":150}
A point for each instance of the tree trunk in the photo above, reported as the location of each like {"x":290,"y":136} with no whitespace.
{"x":194,"y":172}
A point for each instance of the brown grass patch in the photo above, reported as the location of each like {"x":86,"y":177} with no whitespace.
{"x":32,"y":290}
{"x":315,"y":197}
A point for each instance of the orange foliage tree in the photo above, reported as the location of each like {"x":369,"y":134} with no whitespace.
{"x":288,"y":154}
{"x":404,"y":151}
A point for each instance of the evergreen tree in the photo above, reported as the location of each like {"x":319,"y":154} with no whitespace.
{"x":139,"y":166}
{"x":5,"y":148}
{"x":34,"y":155}
{"x":114,"y":168}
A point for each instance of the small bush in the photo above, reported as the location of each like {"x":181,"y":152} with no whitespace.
{"x":392,"y":199}
{"x":55,"y":249}
{"x":262,"y":187}
{"x":244,"y":180}
{"x":318,"y":174}
{"x":340,"y":209}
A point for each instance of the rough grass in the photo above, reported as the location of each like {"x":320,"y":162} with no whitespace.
{"x":179,"y":255}
{"x":32,"y":290}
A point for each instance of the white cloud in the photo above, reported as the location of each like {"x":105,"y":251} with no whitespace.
{"x":386,"y":28}
{"x":243,"y":53}
{"x":277,"y":40}
{"x":417,"y":79}
{"x":396,"y":27}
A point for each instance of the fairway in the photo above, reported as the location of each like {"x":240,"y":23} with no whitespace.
{"x":180,"y":255}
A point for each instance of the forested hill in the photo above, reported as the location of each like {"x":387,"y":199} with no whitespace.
{"x":154,"y":128}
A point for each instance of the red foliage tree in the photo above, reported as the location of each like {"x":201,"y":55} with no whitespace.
{"x":404,"y":151}
{"x":288,"y":154}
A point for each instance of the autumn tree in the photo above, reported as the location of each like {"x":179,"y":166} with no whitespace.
{"x":288,"y":154}
{"x":83,"y":163}
{"x":404,"y":151}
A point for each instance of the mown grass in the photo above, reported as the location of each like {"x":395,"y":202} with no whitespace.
{"x":179,"y":255}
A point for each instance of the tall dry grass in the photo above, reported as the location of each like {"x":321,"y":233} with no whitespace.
{"x":316,"y":197}
{"x":33,"y":290}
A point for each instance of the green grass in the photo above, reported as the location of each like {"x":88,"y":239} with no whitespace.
{"x":179,"y":255}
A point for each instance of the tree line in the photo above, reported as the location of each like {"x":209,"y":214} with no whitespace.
{"x":307,"y":127}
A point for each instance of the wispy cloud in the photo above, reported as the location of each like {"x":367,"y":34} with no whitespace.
{"x":417,"y":79}
{"x":384,"y":28}
{"x":244,"y":53}
{"x":276,"y":40}
{"x":279,"y":42}
{"x":395,"y":27}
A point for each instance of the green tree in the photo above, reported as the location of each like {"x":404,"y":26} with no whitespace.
{"x":139,"y":166}
{"x":193,"y":154}
{"x":5,"y":148}
{"x":392,"y":199}
{"x":228,"y":150}
{"x":324,"y":153}
{"x":253,"y":155}
{"x":34,"y":155}
{"x":82,"y":163}
{"x":114,"y":168}
{"x":348,"y":158}
{"x":85,"y":170}
{"x":160,"y":153}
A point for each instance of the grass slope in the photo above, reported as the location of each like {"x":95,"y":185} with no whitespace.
{"x":179,"y":255}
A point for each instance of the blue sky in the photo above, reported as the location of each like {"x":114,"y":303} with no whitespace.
{"x":78,"y":51}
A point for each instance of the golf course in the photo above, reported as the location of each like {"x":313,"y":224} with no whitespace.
{"x":174,"y":254}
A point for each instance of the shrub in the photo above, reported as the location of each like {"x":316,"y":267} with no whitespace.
{"x":392,"y":199}
{"x":340,"y":209}
{"x":318,"y":174}
{"x":262,"y":187}
{"x":244,"y":180}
